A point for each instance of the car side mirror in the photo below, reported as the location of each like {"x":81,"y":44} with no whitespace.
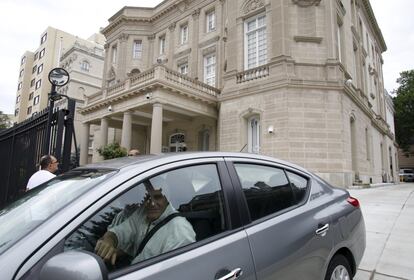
{"x":74,"y":265}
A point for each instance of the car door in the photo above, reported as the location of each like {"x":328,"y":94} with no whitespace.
{"x":288,"y":233}
{"x":201,"y":191}
{"x":219,"y":255}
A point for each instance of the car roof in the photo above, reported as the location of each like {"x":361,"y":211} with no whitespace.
{"x":120,"y":163}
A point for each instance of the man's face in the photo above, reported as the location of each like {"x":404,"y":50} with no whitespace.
{"x":155,"y":204}
{"x":53,"y":165}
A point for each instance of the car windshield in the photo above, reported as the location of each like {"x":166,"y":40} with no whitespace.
{"x":37,"y":205}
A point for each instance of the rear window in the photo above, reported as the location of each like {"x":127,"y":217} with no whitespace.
{"x":37,"y":205}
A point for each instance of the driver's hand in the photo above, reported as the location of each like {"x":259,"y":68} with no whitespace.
{"x":106,"y":247}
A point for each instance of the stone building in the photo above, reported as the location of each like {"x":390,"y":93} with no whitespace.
{"x":299,"y":80}
{"x":84,"y":61}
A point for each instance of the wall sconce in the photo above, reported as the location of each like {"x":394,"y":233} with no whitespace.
{"x":270,"y":129}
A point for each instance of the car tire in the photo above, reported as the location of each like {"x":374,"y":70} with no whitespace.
{"x":339,"y":269}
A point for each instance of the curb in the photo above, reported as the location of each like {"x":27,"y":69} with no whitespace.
{"x":371,"y":186}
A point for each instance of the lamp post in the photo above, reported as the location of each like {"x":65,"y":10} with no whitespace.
{"x":57,"y":77}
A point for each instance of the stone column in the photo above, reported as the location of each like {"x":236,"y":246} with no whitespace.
{"x":100,"y":140}
{"x":126,"y":131}
{"x":104,"y":132}
{"x":171,"y":46}
{"x":84,"y":149}
{"x":193,"y":64}
{"x":107,"y":66}
{"x":122,"y":56}
{"x":156,"y":129}
{"x":151,"y":47}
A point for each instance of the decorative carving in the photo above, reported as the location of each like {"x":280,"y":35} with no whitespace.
{"x":172,"y":26}
{"x":106,"y":46}
{"x":123,"y":37}
{"x":306,"y":3}
{"x":151,"y":37}
{"x":196,"y":13}
{"x":251,"y":5}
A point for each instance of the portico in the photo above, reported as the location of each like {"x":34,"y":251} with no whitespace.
{"x":149,"y":112}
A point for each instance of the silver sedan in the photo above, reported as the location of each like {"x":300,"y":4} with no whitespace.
{"x":183,"y":216}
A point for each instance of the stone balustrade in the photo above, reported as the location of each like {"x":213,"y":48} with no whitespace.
{"x":158,"y":74}
{"x":253,"y":74}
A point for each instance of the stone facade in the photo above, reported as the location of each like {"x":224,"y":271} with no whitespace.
{"x":84,"y":61}
{"x":300,"y":80}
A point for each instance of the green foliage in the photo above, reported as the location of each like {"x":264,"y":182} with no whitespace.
{"x":4,"y":120}
{"x":113,"y":150}
{"x":404,"y":110}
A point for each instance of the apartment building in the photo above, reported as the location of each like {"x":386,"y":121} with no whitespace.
{"x":33,"y":84}
{"x":299,"y":80}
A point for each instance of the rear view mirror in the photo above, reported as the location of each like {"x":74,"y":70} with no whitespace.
{"x":74,"y":265}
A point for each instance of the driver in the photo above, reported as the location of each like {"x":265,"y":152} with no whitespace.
{"x":126,"y":237}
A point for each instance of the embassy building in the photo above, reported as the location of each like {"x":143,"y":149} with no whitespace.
{"x":300,"y":80}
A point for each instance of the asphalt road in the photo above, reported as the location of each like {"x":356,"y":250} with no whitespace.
{"x":389,"y":220}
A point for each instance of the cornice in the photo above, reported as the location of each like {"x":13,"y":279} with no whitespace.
{"x":306,"y":3}
{"x":370,"y":13}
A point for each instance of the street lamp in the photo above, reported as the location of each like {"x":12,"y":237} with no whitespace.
{"x":57,"y":77}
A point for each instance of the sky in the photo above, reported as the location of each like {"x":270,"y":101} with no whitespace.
{"x":23,"y":21}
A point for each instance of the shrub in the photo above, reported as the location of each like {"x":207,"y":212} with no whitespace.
{"x":113,"y":150}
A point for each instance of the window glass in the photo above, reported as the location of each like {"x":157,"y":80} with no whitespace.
{"x":183,"y":205}
{"x":299,"y":185}
{"x":210,"y":69}
{"x":255,"y":42}
{"x":37,"y":205}
{"x":266,"y":189}
{"x":137,"y":49}
{"x":211,"y":21}
{"x":184,"y":34}
{"x":40,"y":69}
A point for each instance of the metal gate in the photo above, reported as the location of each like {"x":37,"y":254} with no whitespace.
{"x":22,"y":146}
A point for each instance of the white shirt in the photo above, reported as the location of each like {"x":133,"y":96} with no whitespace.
{"x":38,"y":178}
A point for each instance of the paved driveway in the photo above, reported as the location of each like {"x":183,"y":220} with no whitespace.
{"x":389,"y":220}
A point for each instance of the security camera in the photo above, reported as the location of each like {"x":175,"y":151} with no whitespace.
{"x":148,"y":95}
{"x":348,"y":82}
{"x":110,"y":108}
{"x":270,"y":129}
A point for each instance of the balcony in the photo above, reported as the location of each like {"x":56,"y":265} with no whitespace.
{"x":159,"y":76}
{"x":253,"y":74}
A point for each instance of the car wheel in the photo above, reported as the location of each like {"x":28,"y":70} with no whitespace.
{"x":339,"y":269}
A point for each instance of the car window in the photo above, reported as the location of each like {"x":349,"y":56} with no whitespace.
{"x":160,"y":214}
{"x":299,"y":185}
{"x":37,"y":205}
{"x":265,"y":188}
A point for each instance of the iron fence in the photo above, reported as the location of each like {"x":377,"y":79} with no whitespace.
{"x":22,"y":146}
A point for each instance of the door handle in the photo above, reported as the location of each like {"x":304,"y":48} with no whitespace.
{"x":322,"y":229}
{"x":232,"y":275}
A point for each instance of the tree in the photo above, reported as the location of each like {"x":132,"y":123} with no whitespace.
{"x":4,"y":120}
{"x":404,"y":110}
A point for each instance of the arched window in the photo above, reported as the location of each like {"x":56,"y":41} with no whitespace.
{"x":177,"y":142}
{"x":253,"y":135}
{"x":85,"y":66}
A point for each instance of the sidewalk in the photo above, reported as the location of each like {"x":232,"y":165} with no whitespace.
{"x":389,"y":218}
